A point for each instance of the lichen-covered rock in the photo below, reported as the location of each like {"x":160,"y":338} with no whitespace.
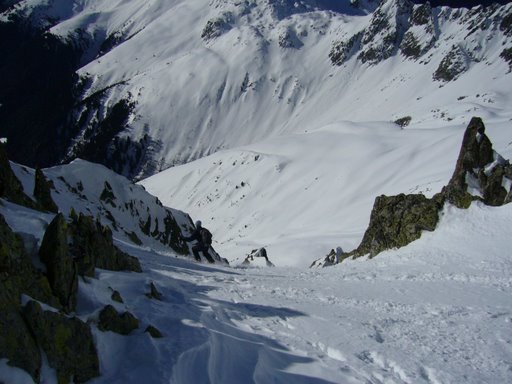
{"x":452,"y":65}
{"x":480,"y":173}
{"x":61,"y":269}
{"x":92,"y":246}
{"x":67,"y":343}
{"x":17,"y":271}
{"x":42,"y":193}
{"x":111,"y":320}
{"x":397,"y":221}
{"x":10,"y":187}
{"x":16,"y":342}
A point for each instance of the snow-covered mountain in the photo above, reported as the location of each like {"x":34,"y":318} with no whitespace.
{"x":165,"y":82}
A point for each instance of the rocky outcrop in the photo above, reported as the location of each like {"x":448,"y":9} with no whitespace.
{"x":217,"y":27}
{"x":92,"y":247}
{"x":111,"y":320}
{"x":452,"y":65}
{"x":10,"y":187}
{"x":42,"y":193}
{"x":387,"y":27}
{"x":396,"y":221}
{"x":342,"y":50}
{"x":252,"y":258}
{"x":480,"y":172}
{"x":67,"y":343}
{"x":61,"y":269}
{"x":16,"y":342}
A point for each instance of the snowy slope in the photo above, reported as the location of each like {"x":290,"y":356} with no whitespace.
{"x":303,"y":194}
{"x":437,"y":311}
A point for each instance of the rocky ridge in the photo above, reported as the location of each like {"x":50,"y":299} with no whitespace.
{"x":40,"y":279}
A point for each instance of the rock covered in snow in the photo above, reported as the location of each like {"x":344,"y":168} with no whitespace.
{"x":257,"y":257}
{"x":480,"y":173}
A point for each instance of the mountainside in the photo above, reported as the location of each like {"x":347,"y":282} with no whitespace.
{"x":141,"y":86}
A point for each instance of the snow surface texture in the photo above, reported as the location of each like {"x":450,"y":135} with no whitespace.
{"x":437,"y":311}
{"x":210,"y":75}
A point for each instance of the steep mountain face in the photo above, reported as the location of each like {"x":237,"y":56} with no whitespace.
{"x":140,"y":86}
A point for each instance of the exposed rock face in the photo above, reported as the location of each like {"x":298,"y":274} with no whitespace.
{"x":111,"y":320}
{"x":42,"y":193}
{"x":452,"y":65}
{"x":10,"y":187}
{"x":480,"y":172}
{"x":16,"y":341}
{"x":217,"y":27}
{"x":67,"y":342}
{"x":92,"y":246}
{"x":154,"y":332}
{"x":386,"y":29}
{"x":342,"y":51}
{"x":61,"y":269}
{"x":17,"y":272}
{"x":398,"y":220}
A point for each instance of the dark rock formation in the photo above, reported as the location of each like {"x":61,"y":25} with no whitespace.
{"x":154,"y":332}
{"x":16,"y":341}
{"x":17,"y":272}
{"x":116,"y":296}
{"x":67,"y":343}
{"x":398,"y":220}
{"x":421,"y":36}
{"x":342,"y":51}
{"x":452,"y":65}
{"x":111,"y":320}
{"x":42,"y":193}
{"x":506,"y":55}
{"x":92,"y":247}
{"x":217,"y":27}
{"x":480,"y":172}
{"x":153,"y":292}
{"x":10,"y":187}
{"x":61,"y":269}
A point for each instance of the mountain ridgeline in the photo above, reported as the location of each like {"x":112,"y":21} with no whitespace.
{"x":104,"y":89}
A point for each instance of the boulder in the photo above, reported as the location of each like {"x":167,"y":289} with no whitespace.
{"x":17,"y":344}
{"x":42,"y":193}
{"x":61,"y":269}
{"x":111,"y":320}
{"x":92,"y":246}
{"x":10,"y":187}
{"x":480,"y":173}
{"x":67,"y":343}
{"x":154,"y":332}
{"x":397,"y":221}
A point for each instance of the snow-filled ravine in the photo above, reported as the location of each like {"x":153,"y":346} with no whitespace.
{"x":436,"y":311}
